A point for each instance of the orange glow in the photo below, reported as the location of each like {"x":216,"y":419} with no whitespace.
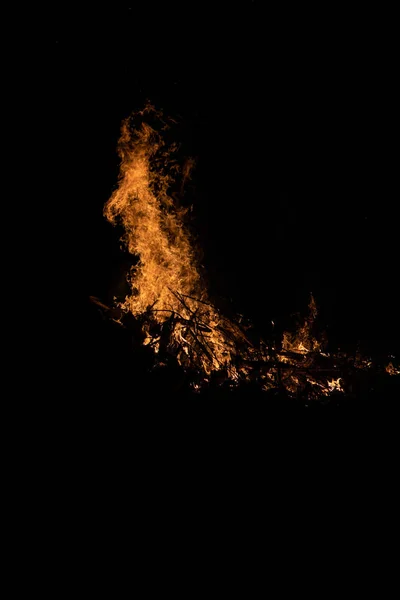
{"x":165,"y":284}
{"x":167,"y":293}
{"x":392,"y":370}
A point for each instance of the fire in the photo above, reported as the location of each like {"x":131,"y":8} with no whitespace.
{"x":334,"y":384}
{"x":392,"y":370}
{"x":165,"y":284}
{"x":303,"y":340}
{"x":168,"y":297}
{"x":153,"y":225}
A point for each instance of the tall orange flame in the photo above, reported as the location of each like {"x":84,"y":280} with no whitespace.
{"x":153,"y":224}
{"x":166,"y":281}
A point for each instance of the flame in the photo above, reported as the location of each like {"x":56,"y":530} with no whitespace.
{"x":168,"y":296}
{"x":392,"y":370}
{"x":303,"y":340}
{"x":153,"y":225}
{"x":165,"y":284}
{"x":334,"y":384}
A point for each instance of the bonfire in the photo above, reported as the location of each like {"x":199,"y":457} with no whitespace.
{"x":168,"y":297}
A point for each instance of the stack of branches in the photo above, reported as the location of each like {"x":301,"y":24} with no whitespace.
{"x":216,"y":349}
{"x":198,"y":335}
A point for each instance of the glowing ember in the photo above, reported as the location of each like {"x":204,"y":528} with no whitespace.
{"x":334,"y":384}
{"x":392,"y":370}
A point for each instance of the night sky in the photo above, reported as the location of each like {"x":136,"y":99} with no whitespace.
{"x":291,"y":120}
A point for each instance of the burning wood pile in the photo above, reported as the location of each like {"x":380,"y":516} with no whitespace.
{"x":169,"y":300}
